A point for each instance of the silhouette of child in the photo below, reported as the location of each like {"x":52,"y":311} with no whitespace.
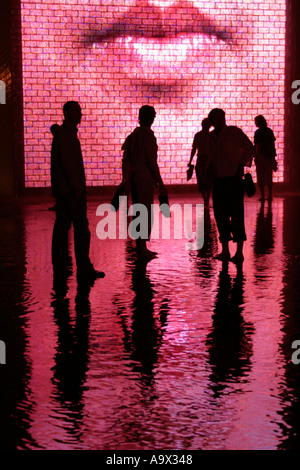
{"x":203,"y":171}
{"x":264,"y":155}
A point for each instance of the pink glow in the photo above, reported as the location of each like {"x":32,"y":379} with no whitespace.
{"x":248,"y":413}
{"x":179,"y":69}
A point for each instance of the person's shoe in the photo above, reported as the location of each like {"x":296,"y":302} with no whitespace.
{"x":60,"y":287}
{"x":147,"y":255}
{"x":223,"y":256}
{"x":90,"y":276}
{"x":97,"y":274}
{"x":63,"y":273}
{"x":237,"y":259}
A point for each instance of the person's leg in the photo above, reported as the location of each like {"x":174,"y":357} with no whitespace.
{"x":60,"y":252}
{"x":221,"y":212}
{"x":82,"y":237}
{"x":205,"y":195}
{"x":225,"y":253}
{"x":260,"y":179}
{"x":142,"y":193}
{"x":262,"y":193}
{"x":202,"y":183}
{"x":238,"y":256}
{"x":270,"y":196}
{"x":208,"y":193}
{"x":269,"y":178}
{"x":238,"y":219}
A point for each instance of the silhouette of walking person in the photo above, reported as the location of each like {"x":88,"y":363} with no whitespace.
{"x":69,"y":189}
{"x":203,"y":172}
{"x":264,"y":156}
{"x":229,"y":151}
{"x":141,"y":174}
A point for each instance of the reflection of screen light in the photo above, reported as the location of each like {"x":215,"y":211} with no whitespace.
{"x":182,"y":57}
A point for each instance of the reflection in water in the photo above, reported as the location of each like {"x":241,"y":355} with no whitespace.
{"x":71,"y":358}
{"x":291,"y":325}
{"x":210,"y":245}
{"x":16,"y":403}
{"x":264,"y":238}
{"x":143,"y":338}
{"x":181,"y":353}
{"x":229,"y":343}
{"x":145,"y":334}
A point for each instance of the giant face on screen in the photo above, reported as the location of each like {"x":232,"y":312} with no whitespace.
{"x":182,"y":57}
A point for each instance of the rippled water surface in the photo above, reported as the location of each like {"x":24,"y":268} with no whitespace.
{"x":185,"y":353}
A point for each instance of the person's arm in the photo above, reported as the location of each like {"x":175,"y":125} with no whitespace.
{"x":257,"y":144}
{"x":151,"y":156}
{"x":248,"y":150}
{"x":72,"y":164}
{"x":192,"y":156}
{"x":193,"y":151}
{"x":126,"y":169}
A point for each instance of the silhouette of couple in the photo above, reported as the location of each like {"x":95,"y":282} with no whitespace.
{"x":227,"y":151}
{"x":222,"y":156}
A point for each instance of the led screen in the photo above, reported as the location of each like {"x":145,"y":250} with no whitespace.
{"x":182,"y":57}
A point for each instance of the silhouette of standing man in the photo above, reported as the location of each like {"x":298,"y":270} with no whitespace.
{"x":229,"y":151}
{"x":69,"y":189}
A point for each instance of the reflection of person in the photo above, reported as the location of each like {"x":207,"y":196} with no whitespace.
{"x":263,"y":240}
{"x":203,"y":172}
{"x":265,"y":153}
{"x":185,"y":57}
{"x":71,"y":354}
{"x":141,"y":172}
{"x":69,"y":190}
{"x":229,"y":151}
{"x":230,"y":344}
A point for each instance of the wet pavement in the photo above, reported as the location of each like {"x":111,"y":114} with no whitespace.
{"x":184,"y":353}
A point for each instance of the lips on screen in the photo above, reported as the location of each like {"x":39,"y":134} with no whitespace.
{"x":182,"y":57}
